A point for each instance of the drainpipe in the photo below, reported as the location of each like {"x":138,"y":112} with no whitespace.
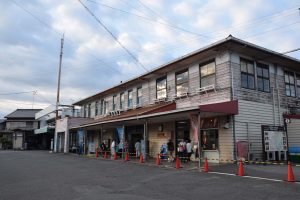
{"x":233,"y":118}
{"x":146,"y":138}
{"x":273,"y":99}
{"x":199,"y":142}
{"x":248,"y":138}
{"x":278,"y":96}
{"x":234,"y":139}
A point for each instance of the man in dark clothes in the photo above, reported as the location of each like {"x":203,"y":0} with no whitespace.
{"x":170,"y":145}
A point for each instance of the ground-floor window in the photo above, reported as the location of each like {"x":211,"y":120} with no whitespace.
{"x":210,"y":139}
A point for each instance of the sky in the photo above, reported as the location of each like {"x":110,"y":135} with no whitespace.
{"x":122,"y":41}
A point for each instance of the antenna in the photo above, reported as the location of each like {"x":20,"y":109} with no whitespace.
{"x":59,"y":74}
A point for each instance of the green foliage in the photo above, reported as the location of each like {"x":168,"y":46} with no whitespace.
{"x":6,"y":143}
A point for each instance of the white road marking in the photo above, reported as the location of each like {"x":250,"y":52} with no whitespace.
{"x":253,"y":177}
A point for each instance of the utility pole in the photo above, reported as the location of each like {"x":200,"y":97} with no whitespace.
{"x":59,"y":73}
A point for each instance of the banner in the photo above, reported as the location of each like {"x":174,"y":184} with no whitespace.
{"x":121,"y":133}
{"x":80,"y":134}
{"x":195,"y":126}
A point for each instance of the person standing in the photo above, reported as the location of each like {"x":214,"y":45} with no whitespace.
{"x":112,"y":148}
{"x":170,"y":146}
{"x":137,"y":146}
{"x":189,"y":150}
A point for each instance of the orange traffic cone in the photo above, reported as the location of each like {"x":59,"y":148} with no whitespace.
{"x":126,"y":157}
{"x":97,"y":154}
{"x":291,"y":177}
{"x":115,"y":156}
{"x":205,"y":169}
{"x":241,"y":169}
{"x":157,"y":160}
{"x":177,"y":163}
{"x":141,"y":158}
{"x":105,"y":155}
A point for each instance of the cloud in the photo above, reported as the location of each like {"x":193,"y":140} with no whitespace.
{"x":93,"y":61}
{"x":183,"y":8}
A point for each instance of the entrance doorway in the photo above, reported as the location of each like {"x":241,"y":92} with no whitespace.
{"x":134,"y":134}
{"x":182,"y":132}
{"x":210,"y":144}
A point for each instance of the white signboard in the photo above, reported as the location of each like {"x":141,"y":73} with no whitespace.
{"x":91,"y":147}
{"x":275,"y":141}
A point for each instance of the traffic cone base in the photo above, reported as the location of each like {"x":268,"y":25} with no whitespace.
{"x":241,"y":171}
{"x":126,"y":157}
{"x":141,"y":158}
{"x":177,"y":163}
{"x":291,"y":177}
{"x":157,"y":160}
{"x":205,"y":169}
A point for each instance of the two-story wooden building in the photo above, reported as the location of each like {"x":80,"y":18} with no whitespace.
{"x":226,"y":91}
{"x":21,"y":125}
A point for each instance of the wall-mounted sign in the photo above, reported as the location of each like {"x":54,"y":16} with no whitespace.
{"x":274,"y":138}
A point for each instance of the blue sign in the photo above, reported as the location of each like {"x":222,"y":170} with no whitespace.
{"x":80,"y":135}
{"x":121,"y":133}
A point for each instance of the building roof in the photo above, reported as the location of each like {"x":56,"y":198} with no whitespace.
{"x":23,"y":113}
{"x":229,"y":43}
{"x":155,"y":108}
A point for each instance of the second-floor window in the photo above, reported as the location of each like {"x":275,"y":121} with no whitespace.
{"x":29,"y":124}
{"x":289,"y":84}
{"x":85,"y":111}
{"x":130,"y":99}
{"x":263,"y":80}
{"x":105,"y":107}
{"x":247,"y":74}
{"x":207,"y":74}
{"x":102,"y":107}
{"x":96,"y":108}
{"x":114,"y":102}
{"x":89,"y":110}
{"x":122,"y":99}
{"x":182,"y":82}
{"x":139,"y":96}
{"x":161,"y":88}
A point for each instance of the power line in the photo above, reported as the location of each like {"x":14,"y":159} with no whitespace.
{"x":149,"y":19}
{"x":113,"y":36}
{"x":291,"y":51}
{"x":60,"y":34}
{"x":14,"y":93}
{"x":154,"y":12}
{"x":270,"y":30}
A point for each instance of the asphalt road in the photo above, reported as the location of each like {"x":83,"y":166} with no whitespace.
{"x":30,"y":175}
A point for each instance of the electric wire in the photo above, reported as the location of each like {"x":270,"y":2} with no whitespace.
{"x":113,"y":36}
{"x":149,"y":19}
{"x":60,"y":34}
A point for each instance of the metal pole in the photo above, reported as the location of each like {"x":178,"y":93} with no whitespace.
{"x":145,"y":138}
{"x":59,"y":73}
{"x":199,"y":142}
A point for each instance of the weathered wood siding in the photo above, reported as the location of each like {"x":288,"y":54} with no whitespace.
{"x":156,"y":138}
{"x":293,"y":130}
{"x":252,"y":115}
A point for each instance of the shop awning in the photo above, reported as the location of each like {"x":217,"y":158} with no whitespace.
{"x":228,"y":107}
{"x":133,"y":114}
{"x":45,"y":129}
{"x":291,"y":116}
